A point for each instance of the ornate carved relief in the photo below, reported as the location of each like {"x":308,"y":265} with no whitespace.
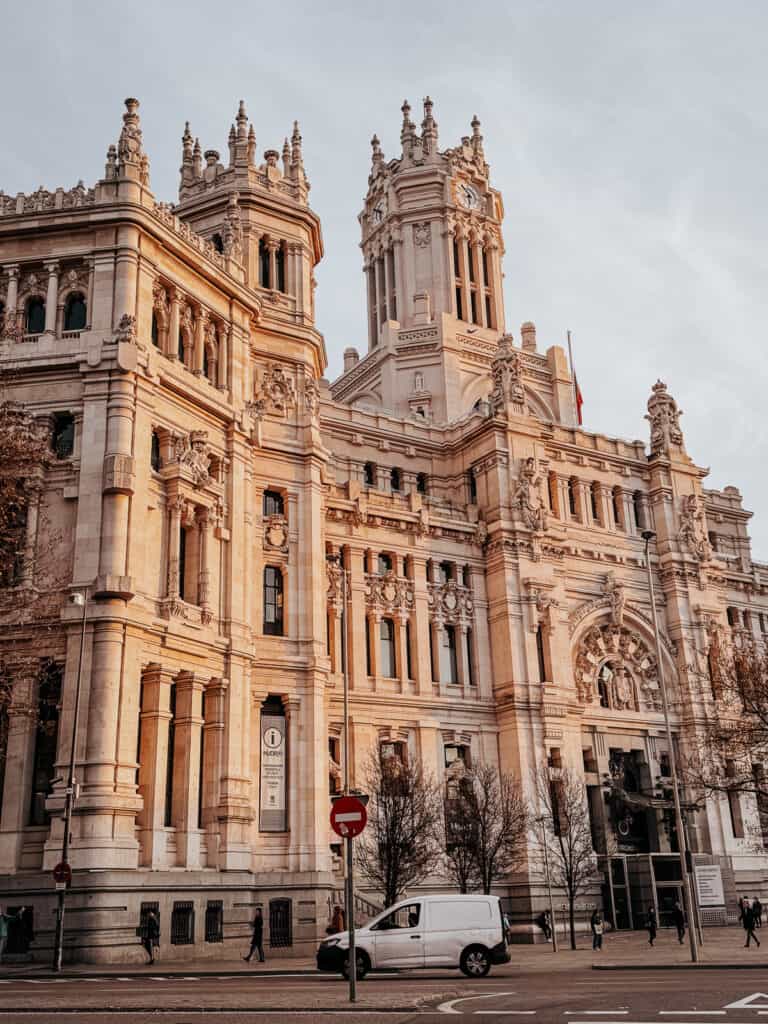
{"x":389,"y":594}
{"x":193,"y":452}
{"x":276,"y":391}
{"x":693,"y":528}
{"x":422,"y":234}
{"x":126,"y":329}
{"x":276,"y":533}
{"x":450,"y":602}
{"x":507,"y":376}
{"x":617,"y":598}
{"x":311,"y":396}
{"x":664,"y":417}
{"x":613,"y":667}
{"x":527,"y":496}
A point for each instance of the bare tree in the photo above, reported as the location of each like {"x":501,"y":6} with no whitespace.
{"x":563,"y":806}
{"x":487,"y":822}
{"x":404,"y":841}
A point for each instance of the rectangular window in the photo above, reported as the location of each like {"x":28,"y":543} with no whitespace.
{"x":486,"y":281}
{"x":280,"y":267}
{"x":214,"y":921}
{"x":368,"y":665}
{"x":273,"y":503}
{"x":734,"y":803}
{"x":472,"y":487}
{"x":182,"y":562}
{"x":456,"y":266}
{"x":280,"y":931}
{"x":473,"y":303}
{"x":168,"y":817}
{"x":451,"y":664}
{"x":46,"y":742}
{"x":470,"y":658}
{"x":273,"y":601}
{"x":387,"y":634}
{"x":408,"y":664}
{"x":183,"y":924}
{"x":63,"y":439}
{"x":488,"y":314}
{"x":459,"y":310}
{"x":540,"y":654}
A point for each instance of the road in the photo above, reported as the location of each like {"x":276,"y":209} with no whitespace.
{"x":580,"y":996}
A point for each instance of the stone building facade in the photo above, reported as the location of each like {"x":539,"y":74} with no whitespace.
{"x":204,"y":472}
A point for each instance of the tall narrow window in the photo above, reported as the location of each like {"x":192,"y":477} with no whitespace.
{"x":408,"y":656}
{"x":456,"y":265}
{"x":280,"y":268}
{"x":180,"y":347}
{"x":384,"y":563}
{"x":552,"y":492}
{"x":369,"y":474}
{"x":540,"y":654}
{"x":618,"y":516}
{"x":154,"y":455}
{"x":263,"y":264}
{"x":594,"y":500}
{"x":34,"y":317}
{"x":486,"y":281}
{"x":155,"y":331}
{"x":637,"y":507}
{"x":451,"y":662}
{"x":169,"y":758}
{"x":488,"y":313}
{"x":470,"y":657}
{"x":201,"y":772}
{"x":572,"y":497}
{"x":46,"y":741}
{"x":273,"y":601}
{"x":273,"y":503}
{"x":392,"y":285}
{"x":472,"y":487}
{"x":395,"y":481}
{"x":75,"y":313}
{"x":387,"y":635}
{"x":368,"y":659}
{"x":63,"y":438}
{"x":473,"y":304}
{"x":182,"y":563}
{"x":421,"y":483}
{"x":459,"y":309}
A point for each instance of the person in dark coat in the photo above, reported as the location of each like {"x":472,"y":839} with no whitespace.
{"x":679,"y":918}
{"x":257,"y":937}
{"x":598,"y":927}
{"x":150,"y":935}
{"x":757,"y":911}
{"x":748,"y":923}
{"x":545,"y":924}
{"x":651,"y":925}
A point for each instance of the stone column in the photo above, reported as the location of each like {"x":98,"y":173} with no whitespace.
{"x":272,"y":247}
{"x":495,"y":284}
{"x":357,"y":623}
{"x":397,"y":250}
{"x":380,"y":296}
{"x":583,"y":502}
{"x":374,"y":633}
{"x":12,"y":297}
{"x":18,"y":774}
{"x":186,"y":768}
{"x":153,"y":756}
{"x":292,"y":706}
{"x":30,"y":538}
{"x":464,"y":268}
{"x":204,"y":566}
{"x":387,"y":284}
{"x":436,"y":627}
{"x":201,"y":320}
{"x":175,"y":508}
{"x":172,"y":342}
{"x":627,"y":506}
{"x":51,"y":299}
{"x":126,"y":274}
{"x":477,"y":255}
{"x":118,"y":485}
{"x":606,"y":507}
{"x":223,"y":362}
{"x":213,"y":752}
{"x":401,"y":643}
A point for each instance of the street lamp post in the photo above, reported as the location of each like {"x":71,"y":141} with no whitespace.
{"x":80,"y":599}
{"x":647,"y":536}
{"x":542,"y":822}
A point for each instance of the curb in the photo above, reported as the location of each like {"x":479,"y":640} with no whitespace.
{"x":199,"y":1010}
{"x":681,"y":967}
{"x":175,"y":973}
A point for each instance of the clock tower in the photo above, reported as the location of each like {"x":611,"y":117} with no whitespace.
{"x":432,"y":248}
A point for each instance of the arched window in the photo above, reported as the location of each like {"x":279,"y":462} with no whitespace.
{"x":273,"y":503}
{"x":369,"y":474}
{"x":34,"y":317}
{"x":218,"y":244}
{"x":395,"y":481}
{"x":75,"y":313}
{"x":154,"y":458}
{"x":421,"y":483}
{"x":572,"y":497}
{"x":155,"y":331}
{"x":387,"y":634}
{"x":273,"y":601}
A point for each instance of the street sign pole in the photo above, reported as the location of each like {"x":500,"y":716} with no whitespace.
{"x":350,"y":894}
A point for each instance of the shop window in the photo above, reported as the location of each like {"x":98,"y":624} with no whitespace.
{"x":34,"y":316}
{"x":273,"y":503}
{"x":63,"y":436}
{"x":75,"y":313}
{"x":273,"y":601}
{"x":183,"y":923}
{"x":46,"y":741}
{"x":387,"y":636}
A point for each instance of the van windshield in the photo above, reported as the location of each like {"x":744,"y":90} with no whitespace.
{"x":406,"y":916}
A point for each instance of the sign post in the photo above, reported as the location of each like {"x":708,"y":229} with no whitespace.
{"x":348,"y":819}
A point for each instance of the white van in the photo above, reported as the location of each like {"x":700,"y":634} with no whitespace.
{"x":429,"y":931}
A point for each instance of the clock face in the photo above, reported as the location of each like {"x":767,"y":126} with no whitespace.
{"x":469,"y":196}
{"x":379,"y":211}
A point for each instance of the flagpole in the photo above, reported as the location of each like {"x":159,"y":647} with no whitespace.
{"x":573,"y":378}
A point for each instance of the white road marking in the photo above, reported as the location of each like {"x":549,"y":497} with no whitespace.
{"x":520,"y":1013}
{"x":689,"y":1013}
{"x":748,"y":1002}
{"x":605,"y":1013}
{"x":448,"y":1007}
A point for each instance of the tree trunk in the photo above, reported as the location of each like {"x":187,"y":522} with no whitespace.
{"x":572,"y":919}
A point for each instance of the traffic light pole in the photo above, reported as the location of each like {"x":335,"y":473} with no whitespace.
{"x":350,"y":887}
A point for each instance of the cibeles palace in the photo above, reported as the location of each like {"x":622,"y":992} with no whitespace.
{"x":204,"y":471}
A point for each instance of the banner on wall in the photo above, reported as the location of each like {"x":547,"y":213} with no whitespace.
{"x":273,"y":815}
{"x":709,"y":885}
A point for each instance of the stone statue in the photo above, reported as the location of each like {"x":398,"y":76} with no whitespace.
{"x":664,"y":417}
{"x":527,"y":497}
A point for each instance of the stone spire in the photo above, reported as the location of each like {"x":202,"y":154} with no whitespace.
{"x":664,"y":417}
{"x":286,"y":157}
{"x":242,"y":122}
{"x":377,"y":157}
{"x":132,"y":161}
{"x":197,"y":161}
{"x":242,"y":146}
{"x":231,"y":143}
{"x":251,"y":154}
{"x":297,"y":160}
{"x":477,"y":138}
{"x":187,"y":174}
{"x":429,"y":128}
{"x":408,"y":131}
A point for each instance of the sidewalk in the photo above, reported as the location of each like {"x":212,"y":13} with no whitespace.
{"x":723,"y":948}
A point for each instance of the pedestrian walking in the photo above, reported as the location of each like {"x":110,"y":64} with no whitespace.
{"x":257,"y":937}
{"x":543,"y":921}
{"x":757,"y":911}
{"x":748,"y":923}
{"x":679,"y":918}
{"x":150,"y":935}
{"x":597,"y":925}
{"x":337,"y":921}
{"x":5,"y":920}
{"x":651,"y":925}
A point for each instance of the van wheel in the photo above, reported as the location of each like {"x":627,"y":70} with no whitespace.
{"x":363,"y":966}
{"x":475,"y":962}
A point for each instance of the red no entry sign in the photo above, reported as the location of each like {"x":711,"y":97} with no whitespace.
{"x":62,"y":874}
{"x":348,"y":817}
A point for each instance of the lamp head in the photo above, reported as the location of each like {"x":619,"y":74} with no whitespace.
{"x":648,"y":535}
{"x":77,"y":598}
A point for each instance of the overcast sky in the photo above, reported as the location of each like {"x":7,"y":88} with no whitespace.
{"x":629,"y":141}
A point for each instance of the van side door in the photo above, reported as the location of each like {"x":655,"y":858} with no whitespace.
{"x":399,"y":937}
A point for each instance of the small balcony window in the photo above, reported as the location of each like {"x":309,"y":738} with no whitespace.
{"x":75,"y":313}
{"x":34,"y":317}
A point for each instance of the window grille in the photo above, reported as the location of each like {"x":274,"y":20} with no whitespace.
{"x":144,"y":914}
{"x":183,"y":924}
{"x":280,"y":934}
{"x":214,"y":921}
